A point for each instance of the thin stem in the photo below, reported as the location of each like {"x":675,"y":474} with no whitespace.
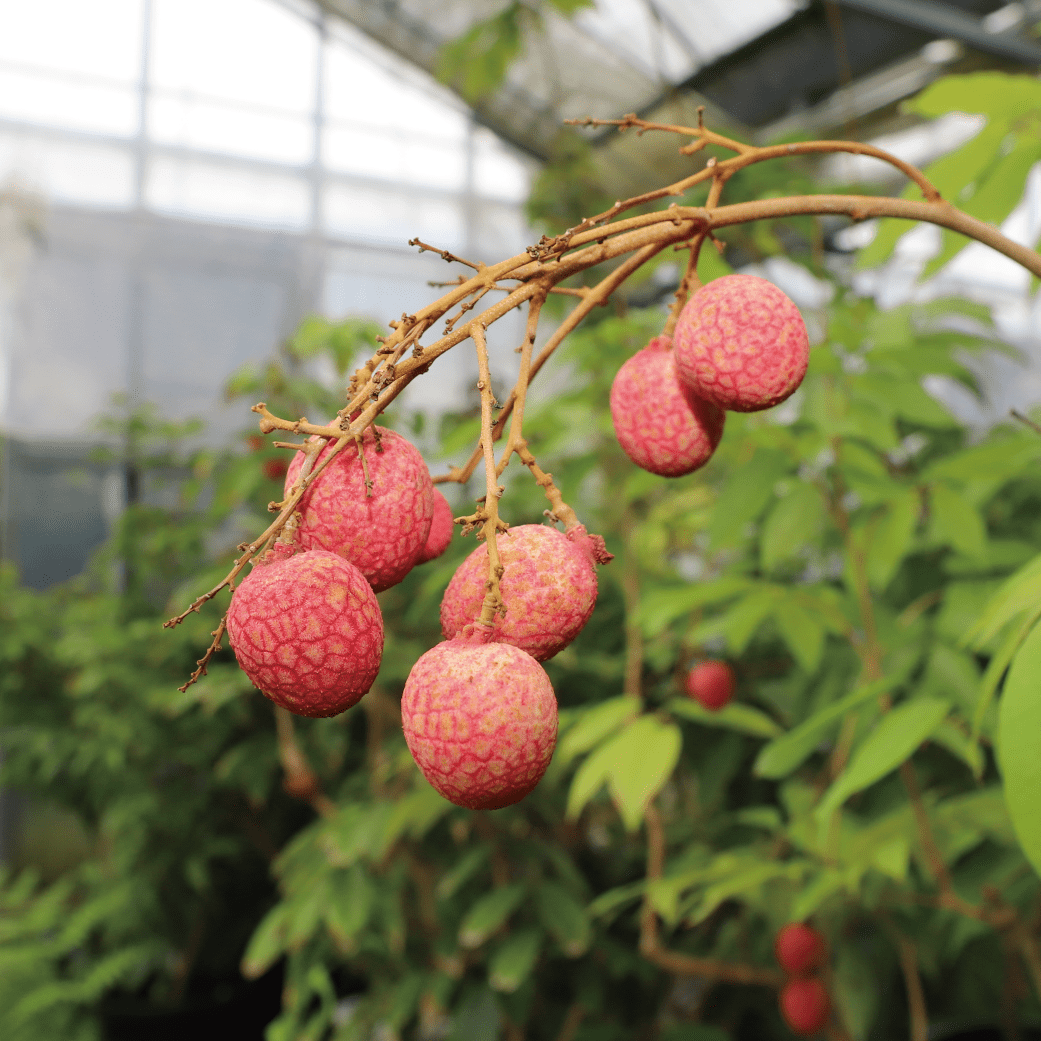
{"x":301,"y":782}
{"x":917,"y":1014}
{"x":676,"y":961}
{"x":492,"y":599}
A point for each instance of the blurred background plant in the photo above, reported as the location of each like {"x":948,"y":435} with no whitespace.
{"x":838,"y":551}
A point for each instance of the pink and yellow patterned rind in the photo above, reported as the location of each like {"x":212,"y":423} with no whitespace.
{"x":548,"y":587}
{"x":662,"y":427}
{"x":382,"y":532}
{"x":741,"y":343}
{"x":308,"y":632}
{"x":480,"y":720}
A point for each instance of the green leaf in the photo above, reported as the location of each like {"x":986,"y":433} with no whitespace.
{"x":802,"y":632}
{"x":743,"y":718}
{"x":893,"y":740}
{"x":745,"y":496}
{"x":955,"y":522}
{"x":267,"y":943}
{"x":596,"y":724}
{"x":462,"y":871}
{"x":958,"y":743}
{"x":794,"y":522}
{"x":661,"y":606}
{"x":783,"y":755}
{"x":996,"y":669}
{"x":1020,"y":592}
{"x":646,"y":754}
{"x":740,"y":623}
{"x":347,"y":910}
{"x":564,"y":918}
{"x":891,"y":538}
{"x":512,"y":963}
{"x":1019,"y":727}
{"x":590,"y":777}
{"x":476,"y":62}
{"x":810,"y":897}
{"x":488,"y":914}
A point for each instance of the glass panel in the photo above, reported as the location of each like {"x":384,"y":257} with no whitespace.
{"x":66,"y":171}
{"x":193,"y":122}
{"x":78,"y":103}
{"x":499,"y":173}
{"x":101,"y":38}
{"x":385,"y":215}
{"x":214,"y":191}
{"x":362,"y":86}
{"x":386,"y":155}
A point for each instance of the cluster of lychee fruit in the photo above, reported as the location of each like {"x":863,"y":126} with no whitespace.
{"x":478,"y":711}
{"x":739,"y":345}
{"x":801,"y":952}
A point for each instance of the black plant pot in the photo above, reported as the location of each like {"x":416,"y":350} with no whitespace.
{"x":236,"y":1009}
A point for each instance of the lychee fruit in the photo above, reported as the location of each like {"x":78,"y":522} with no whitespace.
{"x":805,"y":1006}
{"x":480,"y":720}
{"x":548,"y":588}
{"x":440,"y":530}
{"x":307,"y":630}
{"x":379,"y":528}
{"x":800,"y":949}
{"x":660,"y":424}
{"x":741,"y":343}
{"x":711,"y":683}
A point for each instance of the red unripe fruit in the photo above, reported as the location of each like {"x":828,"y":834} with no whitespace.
{"x":275,"y":469}
{"x":800,"y":949}
{"x":660,"y":424}
{"x":548,"y":587}
{"x":255,"y":442}
{"x":741,"y":344}
{"x":480,"y":720}
{"x":380,"y":530}
{"x":308,"y":632}
{"x":440,"y":530}
{"x":805,"y":1006}
{"x":711,"y":683}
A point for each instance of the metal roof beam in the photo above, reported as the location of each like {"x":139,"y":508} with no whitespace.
{"x":947,"y":21}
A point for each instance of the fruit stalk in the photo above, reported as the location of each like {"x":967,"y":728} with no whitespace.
{"x":492,"y":525}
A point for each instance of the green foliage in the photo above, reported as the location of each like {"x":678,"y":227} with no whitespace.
{"x":985,"y":176}
{"x":864,"y":563}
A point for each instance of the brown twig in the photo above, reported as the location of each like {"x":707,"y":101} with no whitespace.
{"x":300,"y":781}
{"x":676,"y":961}
{"x":492,"y":604}
{"x":918,"y":1016}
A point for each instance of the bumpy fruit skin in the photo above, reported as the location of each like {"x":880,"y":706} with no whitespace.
{"x":805,"y":1005}
{"x":800,"y":949}
{"x":711,"y":683}
{"x":480,"y":720}
{"x":548,"y":587}
{"x":741,"y":344}
{"x":308,"y":632}
{"x":440,"y":530}
{"x":381,"y":533}
{"x":660,"y":424}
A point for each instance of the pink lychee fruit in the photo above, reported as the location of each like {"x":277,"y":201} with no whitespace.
{"x":711,"y":683}
{"x":805,"y":1005}
{"x":307,"y":630}
{"x":800,"y":949}
{"x":480,"y":720}
{"x":380,"y":529}
{"x":440,"y":530}
{"x":661,"y":425}
{"x":741,"y":344}
{"x":548,"y":588}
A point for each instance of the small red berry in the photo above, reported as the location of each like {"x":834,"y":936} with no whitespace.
{"x":805,"y":1005}
{"x":800,"y":949}
{"x":255,"y":442}
{"x":275,"y":469}
{"x":711,"y":683}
